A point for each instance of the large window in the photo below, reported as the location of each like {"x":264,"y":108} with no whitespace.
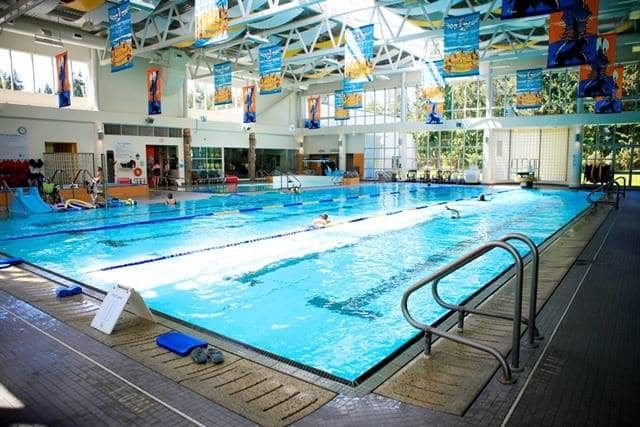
{"x":44,"y":76}
{"x":5,"y":69}
{"x":448,"y":150}
{"x":201,"y":96}
{"x":22,"y":71}
{"x":206,"y":162}
{"x":79,"y":77}
{"x":381,"y":153}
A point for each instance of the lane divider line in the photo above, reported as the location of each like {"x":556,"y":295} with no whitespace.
{"x":200,"y":215}
{"x":270,"y":237}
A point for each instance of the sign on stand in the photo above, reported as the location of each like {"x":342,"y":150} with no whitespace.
{"x":113,"y":305}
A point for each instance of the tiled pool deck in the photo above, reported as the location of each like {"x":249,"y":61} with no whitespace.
{"x":56,"y":370}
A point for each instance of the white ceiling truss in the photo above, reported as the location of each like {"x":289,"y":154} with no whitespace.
{"x":311,"y":32}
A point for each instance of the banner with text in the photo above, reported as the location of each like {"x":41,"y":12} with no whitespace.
{"x":461,"y":45}
{"x":352,"y":95}
{"x":249,"y":103}
{"x":120,"y":37}
{"x":211,"y":21}
{"x":529,"y":88}
{"x":522,"y":8}
{"x":612,"y":103}
{"x":432,"y":92}
{"x":270,"y":69}
{"x":313,"y":112}
{"x":222,"y":81}
{"x":341,"y":113}
{"x":154,"y":91}
{"x":63,"y":85}
{"x":596,"y":79}
{"x":358,"y":53}
{"x":573,"y":34}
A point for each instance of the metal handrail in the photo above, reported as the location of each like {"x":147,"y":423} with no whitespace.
{"x":84,"y":172}
{"x":62,"y":173}
{"x":291,"y":178}
{"x":5,"y":189}
{"x":435,"y":277}
{"x":608,"y":189}
{"x":623,"y":186}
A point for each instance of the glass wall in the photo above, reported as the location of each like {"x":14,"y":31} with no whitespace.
{"x":206,"y":162}
{"x":200,"y":96}
{"x":448,"y":150}
{"x":614,"y":148}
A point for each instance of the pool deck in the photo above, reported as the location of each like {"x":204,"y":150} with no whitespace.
{"x":62,"y":372}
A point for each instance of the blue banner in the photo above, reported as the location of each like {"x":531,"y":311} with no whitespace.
{"x":529,"y":88}
{"x":249,"y":104}
{"x":596,"y":79}
{"x":63,"y":85}
{"x":120,"y":37}
{"x":522,"y":8}
{"x":341,"y":113}
{"x":222,"y":81}
{"x":270,"y":69}
{"x":573,"y":35}
{"x":358,"y":53}
{"x":432,"y":92}
{"x":211,"y":21}
{"x":313,"y":112}
{"x":461,"y":45}
{"x":613,"y":102}
{"x":352,"y":95}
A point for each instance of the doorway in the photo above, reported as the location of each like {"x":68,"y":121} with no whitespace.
{"x":167,"y":157}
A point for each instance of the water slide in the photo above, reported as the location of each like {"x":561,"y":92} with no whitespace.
{"x":29,"y":203}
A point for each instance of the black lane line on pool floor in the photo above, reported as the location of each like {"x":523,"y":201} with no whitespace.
{"x":275,"y":236}
{"x":205,"y":214}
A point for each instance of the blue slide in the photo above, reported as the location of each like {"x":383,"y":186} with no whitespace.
{"x":30,"y":203}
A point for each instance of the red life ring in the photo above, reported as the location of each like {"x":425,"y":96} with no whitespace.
{"x":137,"y":172}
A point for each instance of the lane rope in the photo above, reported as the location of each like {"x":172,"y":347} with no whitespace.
{"x":277,"y":236}
{"x":205,"y":214}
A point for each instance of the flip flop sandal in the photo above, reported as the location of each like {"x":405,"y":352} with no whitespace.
{"x":215,"y":355}
{"x":199,"y":355}
{"x":67,"y":292}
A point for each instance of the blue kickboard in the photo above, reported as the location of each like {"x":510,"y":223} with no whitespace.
{"x":8,"y":262}
{"x":179,"y":343}
{"x":67,"y":292}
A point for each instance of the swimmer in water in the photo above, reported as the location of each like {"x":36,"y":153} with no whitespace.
{"x":321,"y":222}
{"x":481,"y":198}
{"x":170,"y":200}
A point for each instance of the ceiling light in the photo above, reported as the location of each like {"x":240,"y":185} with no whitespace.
{"x":303,"y":87}
{"x":383,"y":77}
{"x":256,"y":38}
{"x":48,"y":41}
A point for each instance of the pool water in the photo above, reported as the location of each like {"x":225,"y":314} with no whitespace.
{"x":329,"y":298}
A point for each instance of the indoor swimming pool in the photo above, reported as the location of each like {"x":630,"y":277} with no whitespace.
{"x":248,"y":267}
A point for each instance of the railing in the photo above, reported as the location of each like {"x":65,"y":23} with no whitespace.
{"x":6,"y":190}
{"x":85,"y":173}
{"x":292,"y":181}
{"x":337,"y":179}
{"x":609,"y":188}
{"x":517,"y":318}
{"x":623,"y":186}
{"x":62,"y":174}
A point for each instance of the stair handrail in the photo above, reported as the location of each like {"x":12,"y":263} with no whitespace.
{"x":608,"y":188}
{"x":292,"y":179}
{"x":438,"y":275}
{"x":62,"y":173}
{"x":84,"y":172}
{"x":623,"y":187}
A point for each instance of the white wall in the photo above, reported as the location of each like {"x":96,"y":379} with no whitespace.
{"x":41,"y":131}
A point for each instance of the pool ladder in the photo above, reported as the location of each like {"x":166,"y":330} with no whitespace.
{"x":612,"y":191}
{"x":462,"y":310}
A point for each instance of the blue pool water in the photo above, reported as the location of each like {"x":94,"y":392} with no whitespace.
{"x":329,"y":298}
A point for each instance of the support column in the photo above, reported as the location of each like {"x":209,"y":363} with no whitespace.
{"x":342,"y":152}
{"x":185,"y":96}
{"x":489,"y":108}
{"x":300,"y":155}
{"x":402,"y":136}
{"x":252,"y":156}
{"x":574,"y":168}
{"x":186,"y":148}
{"x":95,"y":69}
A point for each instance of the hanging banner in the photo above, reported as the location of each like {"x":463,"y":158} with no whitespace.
{"x":211,"y":21}
{"x":249,"y":103}
{"x":313,"y":112}
{"x":63,"y":85}
{"x":612,"y":103}
{"x":431,"y":92}
{"x":352,"y":95}
{"x":529,"y":88}
{"x":222,"y":81}
{"x":358,"y":53}
{"x":270,"y":69}
{"x":596,"y":79}
{"x":522,"y":8}
{"x":573,"y":34}
{"x":461,"y":45}
{"x":154,"y":91}
{"x":341,"y":113}
{"x":120,"y":37}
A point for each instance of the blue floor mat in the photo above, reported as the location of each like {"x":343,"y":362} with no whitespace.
{"x":8,"y":262}
{"x":179,"y":343}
